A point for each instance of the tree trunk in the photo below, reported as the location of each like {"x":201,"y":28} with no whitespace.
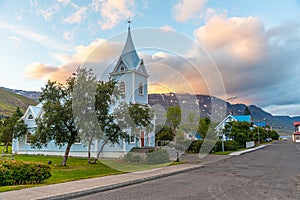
{"x":5,"y":148}
{"x":100,"y":151}
{"x":89,"y":151}
{"x":66,"y":156}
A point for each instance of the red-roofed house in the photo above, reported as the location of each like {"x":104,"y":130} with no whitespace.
{"x":296,"y":135}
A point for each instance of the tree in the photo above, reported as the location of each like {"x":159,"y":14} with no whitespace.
{"x":12,"y":127}
{"x":134,"y":117}
{"x":203,"y":126}
{"x":239,"y":131}
{"x":106,"y":96}
{"x":247,"y":111}
{"x":163,"y":136}
{"x":57,"y":123}
{"x":274,"y":135}
{"x":173,"y":116}
{"x":84,"y":93}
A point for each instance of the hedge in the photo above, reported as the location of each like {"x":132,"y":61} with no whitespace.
{"x":16,"y":173}
{"x":157,"y":157}
{"x":130,"y":157}
{"x":229,"y":145}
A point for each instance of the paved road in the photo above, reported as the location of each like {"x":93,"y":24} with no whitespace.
{"x":269,"y":173}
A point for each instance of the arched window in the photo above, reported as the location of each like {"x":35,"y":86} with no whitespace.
{"x":30,"y":116}
{"x":141,"y":89}
{"x":28,"y":138}
{"x":122,"y":68}
{"x":122,"y":87}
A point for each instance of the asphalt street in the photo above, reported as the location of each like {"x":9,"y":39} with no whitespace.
{"x":268,"y":173}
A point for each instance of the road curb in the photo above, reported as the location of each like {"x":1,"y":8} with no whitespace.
{"x":247,"y":151}
{"x":118,"y":185}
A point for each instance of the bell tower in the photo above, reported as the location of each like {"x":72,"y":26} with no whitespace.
{"x":130,"y":73}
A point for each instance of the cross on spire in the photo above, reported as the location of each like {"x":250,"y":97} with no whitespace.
{"x":129,"y":21}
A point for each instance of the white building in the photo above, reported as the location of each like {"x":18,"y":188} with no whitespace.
{"x":132,"y":77}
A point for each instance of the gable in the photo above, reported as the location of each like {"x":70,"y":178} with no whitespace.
{"x":121,"y":67}
{"x":142,"y":68}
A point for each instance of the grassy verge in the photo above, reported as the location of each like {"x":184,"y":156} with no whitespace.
{"x":78,"y":168}
{"x":1,"y":148}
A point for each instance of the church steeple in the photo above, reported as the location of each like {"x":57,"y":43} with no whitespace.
{"x":131,"y":73}
{"x":129,"y":55}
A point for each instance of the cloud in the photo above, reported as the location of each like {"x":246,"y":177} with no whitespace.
{"x":43,"y":40}
{"x":17,"y":41}
{"x":19,"y":15}
{"x":240,"y":37}
{"x":77,"y":17}
{"x":114,"y":11}
{"x":258,"y":64}
{"x":68,"y":35}
{"x":37,"y":70}
{"x":97,"y":55}
{"x":187,"y":9}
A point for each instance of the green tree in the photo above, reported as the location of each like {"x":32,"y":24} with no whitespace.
{"x":12,"y":127}
{"x":239,"y":131}
{"x":164,"y":136}
{"x":57,"y":123}
{"x":84,"y":93}
{"x":259,"y":135}
{"x":203,"y":126}
{"x":173,"y":116}
{"x":134,"y":117}
{"x":274,"y":135}
{"x":107,"y":95}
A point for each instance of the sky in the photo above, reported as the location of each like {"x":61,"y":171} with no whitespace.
{"x":248,"y":49}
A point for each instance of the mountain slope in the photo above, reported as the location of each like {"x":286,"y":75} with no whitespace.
{"x":283,"y":124}
{"x":9,"y":101}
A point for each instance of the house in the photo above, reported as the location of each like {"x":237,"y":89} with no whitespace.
{"x":296,"y":134}
{"x":230,"y":118}
{"x":132,"y":77}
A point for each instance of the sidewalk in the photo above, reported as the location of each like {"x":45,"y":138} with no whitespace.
{"x":88,"y":186}
{"x":84,"y":187}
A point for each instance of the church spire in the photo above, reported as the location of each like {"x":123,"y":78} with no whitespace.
{"x":129,"y":54}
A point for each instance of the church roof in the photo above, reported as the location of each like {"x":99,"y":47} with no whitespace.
{"x":129,"y":55}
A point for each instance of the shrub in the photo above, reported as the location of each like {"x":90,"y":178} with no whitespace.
{"x":230,"y":145}
{"x":195,"y":146}
{"x":16,"y":173}
{"x":133,"y":158}
{"x":157,"y":157}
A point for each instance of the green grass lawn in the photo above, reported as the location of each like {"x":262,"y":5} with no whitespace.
{"x":77,"y":168}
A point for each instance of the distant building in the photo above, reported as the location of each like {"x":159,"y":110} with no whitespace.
{"x":132,"y":77}
{"x":260,"y":124}
{"x":230,"y":118}
{"x":296,"y":134}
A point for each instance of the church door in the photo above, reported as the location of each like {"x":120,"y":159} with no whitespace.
{"x":142,"y":139}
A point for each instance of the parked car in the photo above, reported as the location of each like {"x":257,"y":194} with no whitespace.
{"x":284,"y":139}
{"x":268,"y":139}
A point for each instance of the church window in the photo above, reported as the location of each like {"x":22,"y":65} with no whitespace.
{"x":141,"y":89}
{"x":30,"y":116}
{"x":28,"y":138}
{"x":122,"y":87}
{"x":77,"y":140}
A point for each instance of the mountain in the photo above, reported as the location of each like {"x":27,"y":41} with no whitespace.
{"x":11,"y":98}
{"x":283,"y":124}
{"x":29,"y":94}
{"x":9,"y":101}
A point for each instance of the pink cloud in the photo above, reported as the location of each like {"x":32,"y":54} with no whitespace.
{"x":242,"y":38}
{"x":187,"y":9}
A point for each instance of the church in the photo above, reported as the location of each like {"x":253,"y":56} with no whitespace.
{"x":132,"y":77}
